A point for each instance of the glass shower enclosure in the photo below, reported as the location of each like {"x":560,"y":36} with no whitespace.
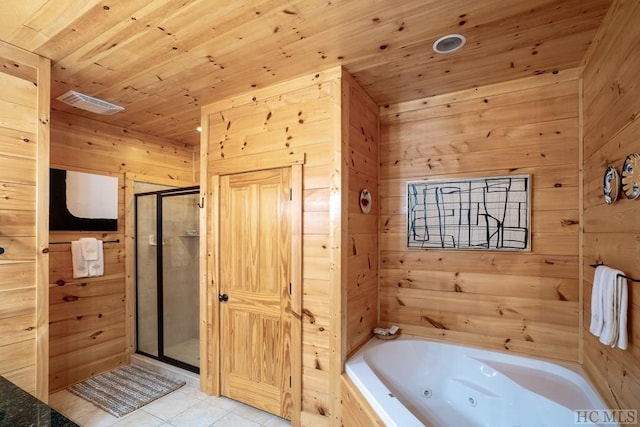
{"x":167,"y":294}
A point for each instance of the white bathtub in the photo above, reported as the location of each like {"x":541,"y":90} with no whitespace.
{"x":414,"y":382}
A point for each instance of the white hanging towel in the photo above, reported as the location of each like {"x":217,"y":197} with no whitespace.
{"x":80,"y":268}
{"x":89,"y":248}
{"x":88,"y":258}
{"x":623,"y":302}
{"x":597,"y":321}
{"x":609,"y":307}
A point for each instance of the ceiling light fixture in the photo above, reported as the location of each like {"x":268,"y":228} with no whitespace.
{"x":449,"y":43}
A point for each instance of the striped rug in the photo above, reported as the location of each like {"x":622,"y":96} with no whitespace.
{"x":125,"y":389}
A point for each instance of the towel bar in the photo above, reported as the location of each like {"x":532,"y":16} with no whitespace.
{"x":68,"y":243}
{"x":619,"y":275}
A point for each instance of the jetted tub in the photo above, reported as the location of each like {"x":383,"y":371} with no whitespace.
{"x":415,"y":382}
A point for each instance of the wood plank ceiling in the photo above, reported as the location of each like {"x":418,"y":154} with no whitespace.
{"x":163,"y":59}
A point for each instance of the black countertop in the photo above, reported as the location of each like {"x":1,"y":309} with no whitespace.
{"x":20,"y":409}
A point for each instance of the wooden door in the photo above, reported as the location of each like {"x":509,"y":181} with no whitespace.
{"x":255,"y":321}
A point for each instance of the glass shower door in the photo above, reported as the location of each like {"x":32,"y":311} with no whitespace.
{"x":167,"y":280}
{"x":180,"y":288}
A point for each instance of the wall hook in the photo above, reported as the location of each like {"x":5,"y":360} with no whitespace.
{"x":201,"y":204}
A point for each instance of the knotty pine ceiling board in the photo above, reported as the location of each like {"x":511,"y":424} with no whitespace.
{"x":164,"y":59}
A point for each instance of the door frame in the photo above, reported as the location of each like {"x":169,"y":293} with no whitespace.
{"x":210,"y":271}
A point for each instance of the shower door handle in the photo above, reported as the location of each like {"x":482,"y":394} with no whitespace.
{"x":223,"y":297}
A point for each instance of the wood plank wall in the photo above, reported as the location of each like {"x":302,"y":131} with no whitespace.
{"x":303,"y":118}
{"x":24,"y":154}
{"x":299,"y":117}
{"x":356,"y":411}
{"x":362,"y":242}
{"x":612,"y":233}
{"x":88,"y":316}
{"x":521,"y":302}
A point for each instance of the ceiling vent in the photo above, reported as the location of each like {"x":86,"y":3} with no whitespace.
{"x":89,"y":103}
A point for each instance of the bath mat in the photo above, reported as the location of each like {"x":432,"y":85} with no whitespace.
{"x":125,"y":389}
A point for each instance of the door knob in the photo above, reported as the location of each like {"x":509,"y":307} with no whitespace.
{"x":223,"y":298}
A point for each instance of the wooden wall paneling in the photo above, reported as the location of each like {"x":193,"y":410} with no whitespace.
{"x":278,"y":114}
{"x":536,"y":287}
{"x":75,"y":366}
{"x":331,"y":128}
{"x":498,"y":300}
{"x":611,"y":235}
{"x":91,"y":319}
{"x":209,"y":382}
{"x":620,"y":96}
{"x":16,"y":328}
{"x":22,"y":376}
{"x":18,"y":62}
{"x":360,"y":124}
{"x":257,"y":162}
{"x":20,"y":355}
{"x":506,"y":87}
{"x":24,"y":154}
{"x":338,"y":237}
{"x":121,"y":149}
{"x":562,"y":267}
{"x":130,"y":265}
{"x":356,"y":411}
{"x":213,"y":280}
{"x":581,"y":222}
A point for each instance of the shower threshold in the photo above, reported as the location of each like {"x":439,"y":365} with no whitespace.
{"x":191,"y":378}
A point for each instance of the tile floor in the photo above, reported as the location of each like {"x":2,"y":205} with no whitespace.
{"x":187,"y":407}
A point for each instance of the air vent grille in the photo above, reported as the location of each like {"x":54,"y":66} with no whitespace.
{"x":89,"y":103}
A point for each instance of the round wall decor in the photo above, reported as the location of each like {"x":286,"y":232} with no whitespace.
{"x":631,"y":176}
{"x":611,"y":185}
{"x":365,"y":201}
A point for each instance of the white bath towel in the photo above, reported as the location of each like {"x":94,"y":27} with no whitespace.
{"x":609,"y":307}
{"x":83,"y":267}
{"x":89,"y":248}
{"x":596,"y":301}
{"x":80,"y":267}
{"x":623,"y":303}
{"x":609,"y":332}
